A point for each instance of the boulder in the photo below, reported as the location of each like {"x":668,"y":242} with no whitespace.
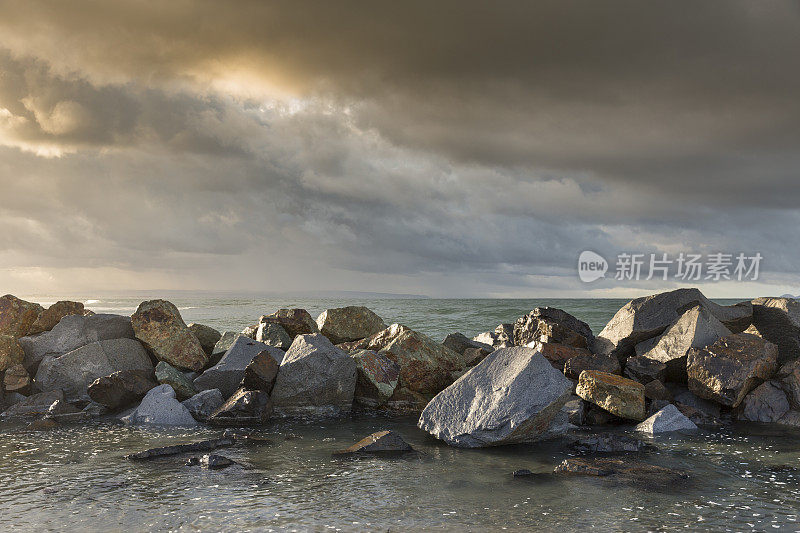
{"x":510,"y":397}
{"x":405,"y":401}
{"x":460,"y":343}
{"x":655,"y":390}
{"x":684,"y":397}
{"x":229,"y":372}
{"x":122,"y":388}
{"x":696,"y":328}
{"x":71,"y":333}
{"x":606,"y":443}
{"x":16,"y":379}
{"x":574,"y":366}
{"x":351,"y":323}
{"x":205,"y":403}
{"x":53,"y":315}
{"x":244,"y":408}
{"x":778,"y":321}
{"x":225,"y":342}
{"x":381,"y":442}
{"x":158,"y":324}
{"x":273,"y":335}
{"x":667,"y":420}
{"x":250,"y":331}
{"x":560,"y":354}
{"x":294,"y":321}
{"x":315,"y":378}
{"x":159,"y":407}
{"x":377,"y":380}
{"x":789,"y":376}
{"x":644,"y":370}
{"x":74,"y":371}
{"x":11,"y":353}
{"x":166,"y":374}
{"x":644,"y":318}
{"x":43,"y":424}
{"x":213,"y":461}
{"x":575,"y":410}
{"x":765,"y":403}
{"x":261,"y":372}
{"x":34,"y":405}
{"x":206,"y":335}
{"x":551,"y":325}
{"x":619,"y":396}
{"x":473,"y":356}
{"x":730,"y":368}
{"x":17,"y":316}
{"x":501,"y":337}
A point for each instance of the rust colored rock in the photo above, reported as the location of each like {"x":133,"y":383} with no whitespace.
{"x":619,"y":396}
{"x":17,"y":316}
{"x":261,"y":372}
{"x":16,"y":379}
{"x":294,"y":321}
{"x":377,"y":378}
{"x":53,"y":315}
{"x":158,"y":324}
{"x":559,"y":354}
{"x":11,"y":353}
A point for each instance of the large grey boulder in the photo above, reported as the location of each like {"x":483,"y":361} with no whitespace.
{"x":72,"y":332}
{"x":778,"y":321}
{"x":228,"y":373}
{"x":316,"y":378}
{"x":351,"y":323}
{"x":74,"y":371}
{"x":159,"y":407}
{"x":765,"y":403}
{"x":696,"y":328}
{"x":644,"y":318}
{"x":512,"y":396}
{"x":667,"y":420}
{"x":203,"y":404}
{"x":274,"y":335}
{"x":552,"y":325}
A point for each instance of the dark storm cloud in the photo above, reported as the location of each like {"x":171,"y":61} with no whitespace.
{"x":491,"y":142}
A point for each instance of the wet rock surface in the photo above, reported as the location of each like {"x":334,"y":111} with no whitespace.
{"x":380,"y":443}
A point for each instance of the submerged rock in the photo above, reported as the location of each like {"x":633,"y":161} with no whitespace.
{"x":215,"y":462}
{"x":273,"y":335}
{"x":229,"y":372}
{"x":244,"y":408}
{"x":511,"y":397}
{"x":377,"y":379}
{"x":11,"y":352}
{"x":351,"y":323}
{"x":551,"y":325}
{"x":778,"y":321}
{"x":206,"y":335}
{"x":294,"y":321}
{"x":667,"y":420}
{"x":765,"y":403}
{"x":53,"y":315}
{"x":166,"y":374}
{"x":17,"y":316}
{"x":34,"y":405}
{"x":261,"y":372}
{"x":203,"y":404}
{"x":381,"y":442}
{"x":730,"y":368}
{"x":619,"y":396}
{"x":122,"y":388}
{"x":158,"y":324}
{"x":159,"y":407}
{"x":627,"y":470}
{"x":166,"y":451}
{"x":606,"y":443}
{"x":316,"y":378}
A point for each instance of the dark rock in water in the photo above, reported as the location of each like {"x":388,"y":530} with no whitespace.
{"x":684,"y":396}
{"x":657,"y":405}
{"x":122,"y":388}
{"x":523,"y":472}
{"x":53,"y":315}
{"x":244,"y":408}
{"x":645,"y":370}
{"x":667,"y":420}
{"x":382,"y":442}
{"x":626,"y":470}
{"x":765,"y":403}
{"x":166,"y":374}
{"x":34,"y":405}
{"x":778,"y":321}
{"x":730,"y":368}
{"x":551,"y":325}
{"x":273,"y":335}
{"x":617,"y":395}
{"x":62,"y":411}
{"x":227,"y":375}
{"x":261,"y":372}
{"x":655,"y":390}
{"x":158,"y":324}
{"x":192,"y":461}
{"x":16,"y":379}
{"x":207,"y":336}
{"x":215,"y":462}
{"x":607,"y":443}
{"x":203,"y":404}
{"x":347,"y":324}
{"x":575,"y":365}
{"x":511,"y":397}
{"x":377,"y":379}
{"x":192,"y":447}
{"x":17,"y":316}
{"x":294,"y":321}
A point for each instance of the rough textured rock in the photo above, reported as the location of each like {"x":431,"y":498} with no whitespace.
{"x":166,"y":374}
{"x":34,"y":405}
{"x":377,"y":378}
{"x":206,"y":335}
{"x":122,"y":388}
{"x":644,"y":369}
{"x":473,"y":356}
{"x":501,"y":337}
{"x":789,"y":376}
{"x":260,"y":374}
{"x":159,"y":407}
{"x":71,"y":333}
{"x":765,"y":403}
{"x":316,"y":378}
{"x":551,"y":325}
{"x":511,"y":397}
{"x":244,"y":408}
{"x":11,"y":352}
{"x":203,"y":404}
{"x":667,"y":420}
{"x":158,"y":324}
{"x":381,"y":442}
{"x":559,"y":354}
{"x":74,"y":371}
{"x":176,"y":449}
{"x":17,"y":316}
{"x":351,"y":323}
{"x":655,"y":390}
{"x":294,"y":321}
{"x":229,"y":372}
{"x":53,"y":315}
{"x":251,"y":331}
{"x":574,"y":366}
{"x":273,"y":335}
{"x":460,"y":343}
{"x":619,"y":396}
{"x":778,"y":321}
{"x":16,"y":379}
{"x":730,"y":368}
{"x":626,"y":470}
{"x":696,"y":328}
{"x":644,"y":318}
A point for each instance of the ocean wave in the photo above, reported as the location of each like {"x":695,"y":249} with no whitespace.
{"x":89,"y":302}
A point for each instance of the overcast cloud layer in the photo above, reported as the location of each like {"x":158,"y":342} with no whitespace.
{"x":453,"y":149}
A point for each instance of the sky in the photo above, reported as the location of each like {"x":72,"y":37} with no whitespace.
{"x":452,"y":149}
